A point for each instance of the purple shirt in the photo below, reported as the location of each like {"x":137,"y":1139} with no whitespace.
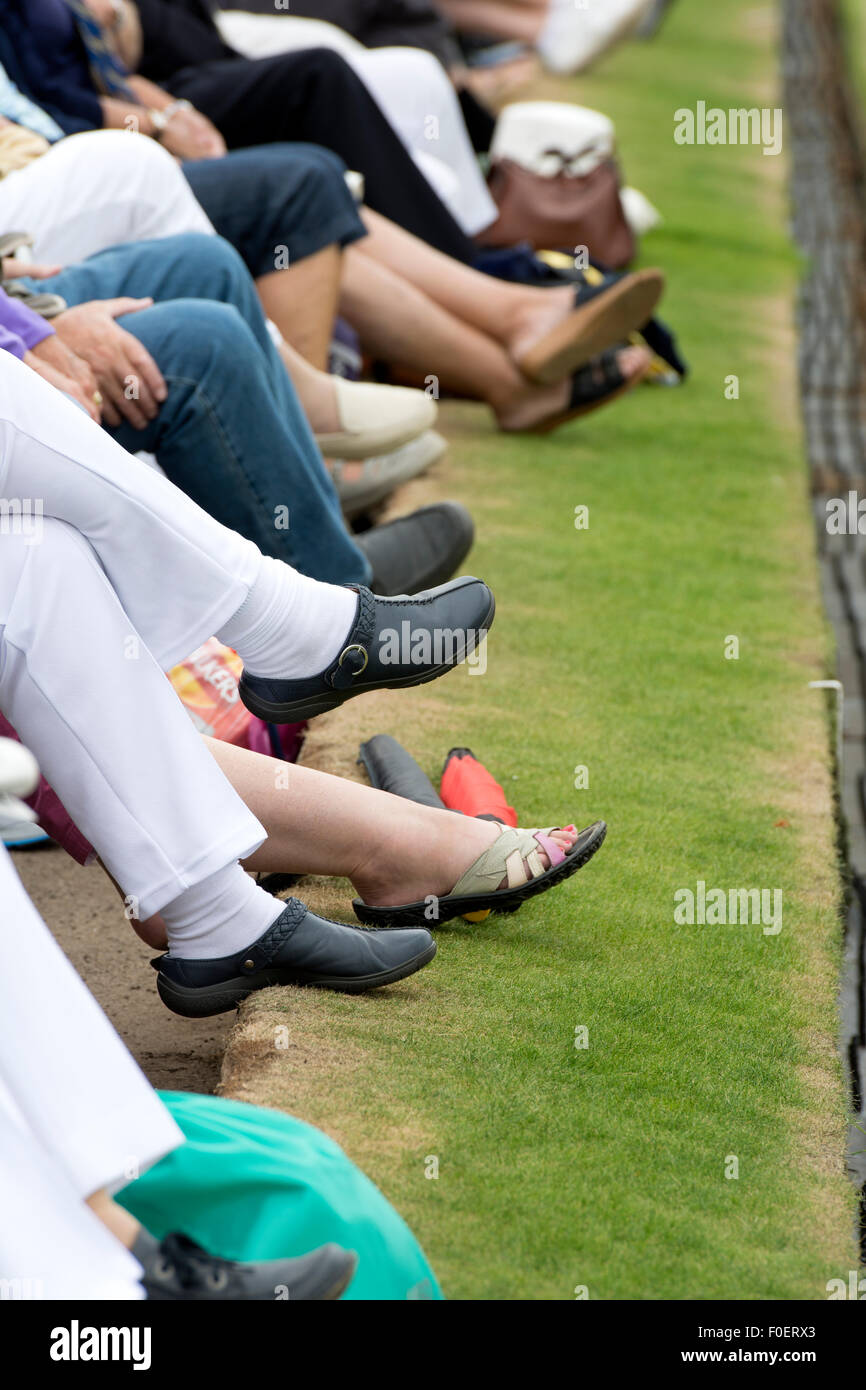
{"x":20,"y":328}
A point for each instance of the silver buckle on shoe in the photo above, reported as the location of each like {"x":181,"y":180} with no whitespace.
{"x":355,"y":647}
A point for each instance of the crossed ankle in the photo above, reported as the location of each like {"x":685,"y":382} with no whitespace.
{"x":220,"y":916}
{"x":289,"y":626}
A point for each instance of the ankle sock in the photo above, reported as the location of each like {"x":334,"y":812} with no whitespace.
{"x":225,"y":913}
{"x":289,"y":626}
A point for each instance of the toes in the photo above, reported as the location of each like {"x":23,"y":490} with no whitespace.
{"x":632,"y":360}
{"x":565,"y":836}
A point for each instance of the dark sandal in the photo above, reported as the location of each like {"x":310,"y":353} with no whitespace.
{"x":598,"y":383}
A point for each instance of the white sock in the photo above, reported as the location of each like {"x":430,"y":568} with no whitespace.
{"x":224,"y":914}
{"x":290,"y":626}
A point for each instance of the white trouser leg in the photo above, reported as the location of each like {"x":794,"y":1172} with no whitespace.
{"x":71,"y":1080}
{"x":179,"y":574}
{"x":51,"y":1244}
{"x":83,"y":691}
{"x":261,"y":36}
{"x":418,"y":98}
{"x":97,"y":190}
{"x":76,"y":1116}
{"x":413,"y":90}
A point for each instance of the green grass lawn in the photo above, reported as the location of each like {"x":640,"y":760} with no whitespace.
{"x":605,"y":1166}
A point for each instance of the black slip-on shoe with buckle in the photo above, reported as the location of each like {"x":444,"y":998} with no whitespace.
{"x":393,"y":643}
{"x":298,"y":949}
{"x":177,"y":1268}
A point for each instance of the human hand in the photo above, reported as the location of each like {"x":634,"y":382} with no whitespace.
{"x":190,"y":135}
{"x":51,"y":360}
{"x":103,"y":11}
{"x":13,"y":269}
{"x":131,"y":383}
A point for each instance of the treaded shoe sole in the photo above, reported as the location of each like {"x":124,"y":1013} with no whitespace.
{"x":203,"y":1001}
{"x":594,"y":327}
{"x":503,"y":900}
{"x":293,"y":711}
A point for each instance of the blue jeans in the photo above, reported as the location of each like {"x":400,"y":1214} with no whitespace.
{"x":273,"y":196}
{"x":231,"y":433}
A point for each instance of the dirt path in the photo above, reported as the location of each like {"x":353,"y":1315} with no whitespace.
{"x":85,"y":915}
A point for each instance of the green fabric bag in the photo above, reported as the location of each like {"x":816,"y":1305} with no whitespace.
{"x":255,"y":1184}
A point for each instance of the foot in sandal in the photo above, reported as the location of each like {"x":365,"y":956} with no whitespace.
{"x":566,"y":327}
{"x":541,"y":409}
{"x":513,"y":865}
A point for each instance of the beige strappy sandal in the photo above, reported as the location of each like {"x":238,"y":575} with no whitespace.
{"x":513,"y":856}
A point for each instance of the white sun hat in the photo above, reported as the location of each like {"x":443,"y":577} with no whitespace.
{"x":527,"y":131}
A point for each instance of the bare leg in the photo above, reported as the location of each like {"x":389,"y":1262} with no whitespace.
{"x":115,"y":1217}
{"x":315,"y":390}
{"x":496,"y":17}
{"x":513,"y":315}
{"x":421,"y":335}
{"x":417,"y":333}
{"x":302,"y":301}
{"x":393,"y":850}
{"x":496,"y":85}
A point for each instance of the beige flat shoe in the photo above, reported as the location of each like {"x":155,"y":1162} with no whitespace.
{"x":375,"y":419}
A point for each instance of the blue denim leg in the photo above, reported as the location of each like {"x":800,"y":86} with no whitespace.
{"x":193,"y":266}
{"x":205,"y":268}
{"x":274,"y":196}
{"x":221,"y":438}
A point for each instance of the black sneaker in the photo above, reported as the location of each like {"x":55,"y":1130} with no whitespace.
{"x":299,"y":949}
{"x":177,"y":1268}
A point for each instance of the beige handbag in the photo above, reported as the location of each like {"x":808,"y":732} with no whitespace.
{"x":18,"y":148}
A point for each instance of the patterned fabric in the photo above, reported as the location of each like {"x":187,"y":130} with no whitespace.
{"x":17,"y":107}
{"x":109,"y":74}
{"x":18,"y":148}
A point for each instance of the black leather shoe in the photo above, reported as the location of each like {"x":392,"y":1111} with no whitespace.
{"x":394,"y":642}
{"x":177,"y":1268}
{"x":298,"y":949}
{"x":418,"y":551}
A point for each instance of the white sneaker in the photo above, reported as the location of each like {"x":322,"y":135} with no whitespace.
{"x":19,"y":770}
{"x":19,"y":774}
{"x":576,"y":32}
{"x":18,"y":833}
{"x":381,"y":476}
{"x":376,"y":419}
